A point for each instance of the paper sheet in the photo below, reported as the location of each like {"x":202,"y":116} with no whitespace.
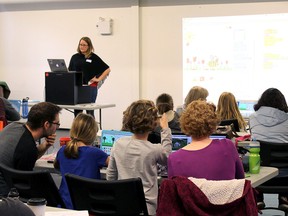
{"x":65,"y":213}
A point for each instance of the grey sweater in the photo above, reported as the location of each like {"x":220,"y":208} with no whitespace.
{"x":269,"y":124}
{"x":132,"y":158}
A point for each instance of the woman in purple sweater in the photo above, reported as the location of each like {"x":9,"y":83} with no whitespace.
{"x":204,"y":157}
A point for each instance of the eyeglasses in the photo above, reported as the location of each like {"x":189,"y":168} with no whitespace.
{"x":84,"y":45}
{"x":56,"y":123}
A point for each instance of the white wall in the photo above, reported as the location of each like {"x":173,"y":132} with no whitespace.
{"x":28,"y":38}
{"x":161,"y":43}
{"x":144,"y":52}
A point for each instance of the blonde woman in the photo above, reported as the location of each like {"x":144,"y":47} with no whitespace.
{"x":94,"y":69}
{"x":227,"y":108}
{"x":79,"y":157}
{"x":196,"y":93}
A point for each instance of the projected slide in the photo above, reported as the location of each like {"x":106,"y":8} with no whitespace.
{"x":241,"y":54}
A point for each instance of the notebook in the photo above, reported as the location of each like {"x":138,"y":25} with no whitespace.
{"x":57,"y":65}
{"x":108,"y":138}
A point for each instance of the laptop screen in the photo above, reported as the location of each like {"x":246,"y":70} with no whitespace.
{"x":246,"y":107}
{"x":179,"y":140}
{"x":16,"y":104}
{"x":109,"y":137}
{"x":57,"y":65}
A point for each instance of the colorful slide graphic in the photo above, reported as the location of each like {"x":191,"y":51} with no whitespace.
{"x":242,"y":54}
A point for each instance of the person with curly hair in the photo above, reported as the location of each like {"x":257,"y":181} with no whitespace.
{"x":135,"y":156}
{"x":215,"y":159}
{"x":227,"y":109}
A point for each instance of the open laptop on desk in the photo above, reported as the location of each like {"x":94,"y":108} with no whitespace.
{"x":108,"y":138}
{"x":16,"y":104}
{"x":57,"y":65}
{"x":246,"y":107}
{"x":179,"y":140}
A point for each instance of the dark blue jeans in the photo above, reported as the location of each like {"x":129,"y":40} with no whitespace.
{"x":94,"y":93}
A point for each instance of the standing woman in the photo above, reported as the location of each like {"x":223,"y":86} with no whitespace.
{"x":94,"y":69}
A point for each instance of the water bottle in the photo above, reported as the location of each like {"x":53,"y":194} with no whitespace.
{"x":25,"y":107}
{"x":254,"y":157}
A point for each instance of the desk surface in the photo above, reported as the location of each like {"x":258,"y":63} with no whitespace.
{"x":87,"y":106}
{"x":266,"y":173}
{"x":52,"y":211}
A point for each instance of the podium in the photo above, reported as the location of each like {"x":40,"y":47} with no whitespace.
{"x":66,"y":88}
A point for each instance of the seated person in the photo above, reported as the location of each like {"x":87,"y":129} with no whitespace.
{"x":227,"y":109}
{"x":269,"y":123}
{"x":4,"y":90}
{"x":195,"y":93}
{"x":18,"y":147}
{"x":164,"y":104}
{"x":135,"y":156}
{"x":204,"y":158}
{"x":11,"y":113}
{"x":79,"y":157}
{"x":6,"y":108}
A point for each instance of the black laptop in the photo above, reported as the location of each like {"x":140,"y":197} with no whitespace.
{"x":57,"y":65}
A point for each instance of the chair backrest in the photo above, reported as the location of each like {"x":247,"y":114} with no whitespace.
{"x":274,"y":154}
{"x":2,"y":114}
{"x":101,"y":197}
{"x":230,"y":122}
{"x":33,"y":184}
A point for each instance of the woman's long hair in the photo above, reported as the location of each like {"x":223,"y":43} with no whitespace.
{"x":227,"y":108}
{"x":84,"y":129}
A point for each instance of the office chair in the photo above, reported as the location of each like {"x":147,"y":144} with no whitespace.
{"x":275,"y":155}
{"x":33,"y":184}
{"x":101,"y":197}
{"x":230,"y":122}
{"x":3,"y":119}
{"x":180,"y":195}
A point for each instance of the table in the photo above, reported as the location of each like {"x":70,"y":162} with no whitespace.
{"x":53,"y":211}
{"x":87,"y":106}
{"x":44,"y":165}
{"x":266,"y":173}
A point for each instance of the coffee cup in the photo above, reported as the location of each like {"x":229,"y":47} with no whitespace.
{"x":37,"y":205}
